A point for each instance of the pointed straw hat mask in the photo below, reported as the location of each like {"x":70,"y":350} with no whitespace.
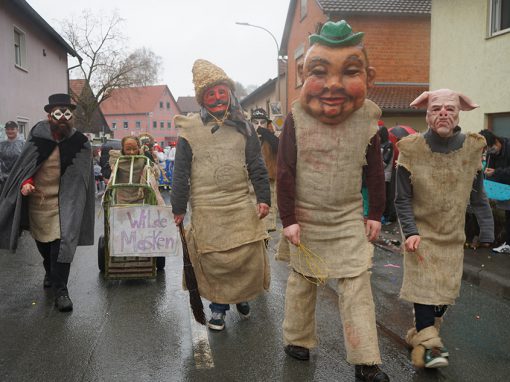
{"x":206,"y":75}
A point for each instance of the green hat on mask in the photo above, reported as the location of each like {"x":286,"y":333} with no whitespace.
{"x":336,"y":34}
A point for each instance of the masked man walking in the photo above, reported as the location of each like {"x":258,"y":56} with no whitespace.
{"x":217,"y":154}
{"x":50,"y":192}
{"x":438,"y":174}
{"x":327,"y":140}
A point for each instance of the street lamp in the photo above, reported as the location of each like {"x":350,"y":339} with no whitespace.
{"x":277,"y":55}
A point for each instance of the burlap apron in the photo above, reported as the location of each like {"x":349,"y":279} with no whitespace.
{"x":328,"y":192}
{"x":225,"y":236}
{"x":43,"y":207}
{"x":442,"y":185}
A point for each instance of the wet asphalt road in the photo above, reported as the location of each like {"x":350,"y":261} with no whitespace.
{"x":141,"y":330}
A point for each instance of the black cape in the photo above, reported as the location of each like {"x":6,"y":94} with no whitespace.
{"x":76,"y":190}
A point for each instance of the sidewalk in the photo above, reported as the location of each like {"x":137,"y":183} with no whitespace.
{"x":482,"y":267}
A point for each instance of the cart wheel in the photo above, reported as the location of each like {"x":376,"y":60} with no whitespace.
{"x":100,"y":254}
{"x":160,"y":263}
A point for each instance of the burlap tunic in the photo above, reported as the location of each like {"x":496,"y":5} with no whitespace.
{"x":43,"y":208}
{"x":329,"y":208}
{"x":226,"y":238}
{"x":442,"y":185}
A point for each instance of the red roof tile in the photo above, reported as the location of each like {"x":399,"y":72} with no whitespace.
{"x":396,"y":98}
{"x":135,"y":100}
{"x":76,"y":87}
{"x":376,"y":6}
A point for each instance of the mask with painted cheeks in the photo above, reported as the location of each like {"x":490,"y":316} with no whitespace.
{"x":335,"y":82}
{"x":216,"y":99}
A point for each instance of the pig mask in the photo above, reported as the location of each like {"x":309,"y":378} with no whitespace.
{"x":443,"y":108}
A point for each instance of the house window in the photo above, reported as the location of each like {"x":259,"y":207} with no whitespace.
{"x":499,"y":124}
{"x":500,"y":16}
{"x":19,"y":48}
{"x":169,"y":124}
{"x":162,"y":125}
{"x":138,"y":125}
{"x":168,"y":105}
{"x":299,"y":55}
{"x":114,"y":125}
{"x":154,"y":125}
{"x":304,"y":8}
{"x":161,"y":104}
{"x":126,"y":125}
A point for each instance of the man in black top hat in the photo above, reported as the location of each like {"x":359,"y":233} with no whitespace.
{"x":50,"y":192}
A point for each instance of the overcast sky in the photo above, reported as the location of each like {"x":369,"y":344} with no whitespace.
{"x":181,"y":31}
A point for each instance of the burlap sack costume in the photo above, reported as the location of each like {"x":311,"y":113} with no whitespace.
{"x":330,"y":213}
{"x":43,"y":204}
{"x":329,"y":207}
{"x":143,"y":173}
{"x":442,"y":185}
{"x":226,"y":237}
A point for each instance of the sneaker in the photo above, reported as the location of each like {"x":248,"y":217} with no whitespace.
{"x":217,"y":321}
{"x":370,"y":373}
{"x":503,"y":248}
{"x":244,"y":309}
{"x":434,"y":358}
{"x":444,"y":352}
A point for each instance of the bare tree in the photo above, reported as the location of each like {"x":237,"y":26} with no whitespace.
{"x":106,"y":62}
{"x":240,"y":90}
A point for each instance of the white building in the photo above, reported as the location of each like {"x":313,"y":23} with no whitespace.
{"x":33,"y":64}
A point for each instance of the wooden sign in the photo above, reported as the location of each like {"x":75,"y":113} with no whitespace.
{"x":144,"y":231}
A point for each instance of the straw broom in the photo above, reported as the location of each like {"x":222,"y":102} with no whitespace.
{"x":191,"y":282}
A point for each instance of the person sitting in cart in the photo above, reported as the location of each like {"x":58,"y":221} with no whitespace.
{"x":132,"y":195}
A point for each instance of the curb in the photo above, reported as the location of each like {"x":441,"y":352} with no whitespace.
{"x":480,"y":277}
{"x":488,"y":281}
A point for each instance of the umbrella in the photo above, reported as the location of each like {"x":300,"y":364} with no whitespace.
{"x":396,"y":133}
{"x":401,"y":131}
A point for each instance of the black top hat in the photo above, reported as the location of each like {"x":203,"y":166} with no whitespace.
{"x":59,"y":99}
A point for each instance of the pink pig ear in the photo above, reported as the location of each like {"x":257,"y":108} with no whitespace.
{"x":421,"y":101}
{"x":465,"y":103}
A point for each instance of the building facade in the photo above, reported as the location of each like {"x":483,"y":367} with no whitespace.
{"x":471,"y":53}
{"x":33,"y":64}
{"x":136,"y":110}
{"x":397,"y":39}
